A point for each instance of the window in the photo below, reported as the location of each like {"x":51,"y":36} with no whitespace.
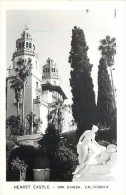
{"x":48,"y":69}
{"x":36,"y":84}
{"x":29,"y":60}
{"x":26,"y":44}
{"x":54,"y":69}
{"x":30,"y":45}
{"x":19,"y":62}
{"x":14,"y":64}
{"x":33,"y":47}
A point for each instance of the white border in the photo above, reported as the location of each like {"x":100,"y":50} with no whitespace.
{"x":118,"y":187}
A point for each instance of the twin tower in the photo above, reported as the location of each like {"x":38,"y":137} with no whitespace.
{"x":42,"y":87}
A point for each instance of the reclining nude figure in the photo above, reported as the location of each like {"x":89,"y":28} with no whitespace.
{"x":99,"y":160}
{"x":88,"y":148}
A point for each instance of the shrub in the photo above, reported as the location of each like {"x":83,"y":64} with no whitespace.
{"x":63,"y":163}
{"x":70,"y":140}
{"x":10,"y":145}
{"x":15,"y":124}
{"x":50,"y":140}
{"x":106,"y":143}
{"x":62,"y":160}
{"x":28,"y":155}
{"x":18,"y":164}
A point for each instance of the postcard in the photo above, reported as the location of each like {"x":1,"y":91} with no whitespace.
{"x":62,"y":95}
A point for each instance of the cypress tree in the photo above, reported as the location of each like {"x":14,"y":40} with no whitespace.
{"x":81,"y":82}
{"x":105,"y":105}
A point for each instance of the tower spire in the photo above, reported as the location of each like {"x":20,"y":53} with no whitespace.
{"x":26,"y":27}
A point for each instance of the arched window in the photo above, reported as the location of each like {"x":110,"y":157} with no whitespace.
{"x":19,"y":62}
{"x":14,"y":64}
{"x":27,"y":44}
{"x":29,"y":60}
{"x":30,"y":45}
{"x":33,"y":47}
{"x":37,"y":97}
{"x":36,"y":84}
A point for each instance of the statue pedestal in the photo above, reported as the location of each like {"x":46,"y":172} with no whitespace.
{"x":95,"y":178}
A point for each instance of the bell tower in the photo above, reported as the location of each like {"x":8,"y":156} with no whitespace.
{"x":51,"y":87}
{"x":50,"y":73}
{"x":25,"y":52}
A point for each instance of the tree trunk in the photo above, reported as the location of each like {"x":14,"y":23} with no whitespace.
{"x":113,"y":89}
{"x":17,"y":107}
{"x":23,"y":99}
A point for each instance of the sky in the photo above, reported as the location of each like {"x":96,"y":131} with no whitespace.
{"x":52,"y":31}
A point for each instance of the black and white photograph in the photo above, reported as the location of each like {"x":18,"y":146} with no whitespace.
{"x":61,"y":98}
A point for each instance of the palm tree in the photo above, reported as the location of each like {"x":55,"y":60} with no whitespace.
{"x":23,"y":71}
{"x":17,"y":85}
{"x":108,"y":51}
{"x":56,"y":114}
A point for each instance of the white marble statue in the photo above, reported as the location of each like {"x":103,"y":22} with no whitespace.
{"x":98,"y":160}
{"x":94,"y":159}
{"x":87,"y":147}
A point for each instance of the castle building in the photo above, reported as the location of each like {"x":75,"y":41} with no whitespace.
{"x":41,"y":89}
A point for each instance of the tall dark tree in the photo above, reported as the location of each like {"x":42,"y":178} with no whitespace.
{"x":84,"y":106}
{"x":108,"y":51}
{"x":105,"y":105}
